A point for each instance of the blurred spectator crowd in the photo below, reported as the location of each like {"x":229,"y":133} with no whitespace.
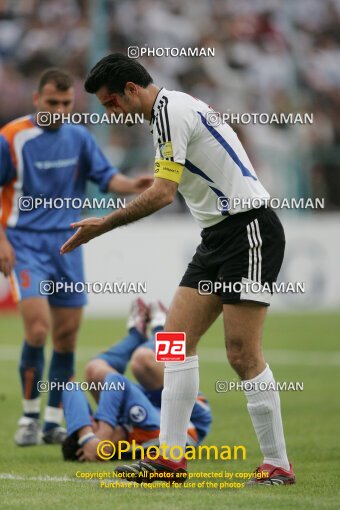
{"x":270,"y":56}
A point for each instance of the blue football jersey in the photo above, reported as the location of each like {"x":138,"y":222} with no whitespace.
{"x":47,"y":164}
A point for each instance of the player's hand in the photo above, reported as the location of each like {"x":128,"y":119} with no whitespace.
{"x":142,"y":183}
{"x":89,"y":451}
{"x":7,"y":257}
{"x":87,"y":229}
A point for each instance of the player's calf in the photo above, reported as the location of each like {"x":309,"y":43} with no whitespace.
{"x":245,"y":363}
{"x":146,"y":370}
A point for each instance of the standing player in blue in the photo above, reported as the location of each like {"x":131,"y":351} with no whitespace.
{"x":52,"y":162}
{"x":241,"y":244}
{"x":128,"y":411}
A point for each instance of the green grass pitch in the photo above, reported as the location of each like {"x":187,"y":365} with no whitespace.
{"x":299,"y":348}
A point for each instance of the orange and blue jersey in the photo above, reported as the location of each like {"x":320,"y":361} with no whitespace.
{"x":48,"y":164}
{"x":128,"y":405}
{"x":122,"y":403}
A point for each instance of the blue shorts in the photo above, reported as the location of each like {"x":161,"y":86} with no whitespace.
{"x":39,"y":266}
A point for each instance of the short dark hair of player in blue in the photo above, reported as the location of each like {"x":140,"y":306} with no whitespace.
{"x":114,"y":71}
{"x":62,"y":80}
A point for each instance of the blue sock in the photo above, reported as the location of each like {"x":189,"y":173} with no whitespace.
{"x":150,"y":343}
{"x":76,"y":410}
{"x":157,"y":329}
{"x":31,"y":370}
{"x":61,"y":371}
{"x":119,"y":354}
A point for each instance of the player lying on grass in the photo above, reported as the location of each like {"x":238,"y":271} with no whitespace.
{"x":130,"y":411}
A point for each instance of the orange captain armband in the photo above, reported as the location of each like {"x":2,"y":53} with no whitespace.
{"x":168,"y":170}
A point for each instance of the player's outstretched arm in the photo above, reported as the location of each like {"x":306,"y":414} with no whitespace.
{"x":123,"y":185}
{"x":159,"y":195}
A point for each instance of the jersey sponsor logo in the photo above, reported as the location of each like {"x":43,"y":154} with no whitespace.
{"x":166,"y":150}
{"x":168,"y":170}
{"x":170,"y":346}
{"x":137,"y":413}
{"x":58,"y":163}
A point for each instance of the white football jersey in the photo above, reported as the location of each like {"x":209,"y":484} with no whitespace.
{"x":209,"y":163}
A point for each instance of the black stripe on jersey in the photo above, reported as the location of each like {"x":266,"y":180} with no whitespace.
{"x":158,"y":132}
{"x":167,"y":118}
{"x":164,"y":120}
{"x":162,"y":123}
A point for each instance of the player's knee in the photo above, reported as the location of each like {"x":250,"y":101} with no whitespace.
{"x":37,"y":333}
{"x":142,"y":362}
{"x":90,"y":370}
{"x":96,"y":370}
{"x":64,"y":339}
{"x":240,"y":358}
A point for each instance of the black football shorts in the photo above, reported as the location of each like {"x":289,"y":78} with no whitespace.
{"x":239,"y":258}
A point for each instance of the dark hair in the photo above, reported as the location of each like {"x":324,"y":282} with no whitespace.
{"x":70,"y":446}
{"x":61,"y":79}
{"x":114,"y":71}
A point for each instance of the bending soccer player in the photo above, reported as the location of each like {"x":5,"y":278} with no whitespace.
{"x":130,"y":411}
{"x":53,"y":162}
{"x":242,"y":249}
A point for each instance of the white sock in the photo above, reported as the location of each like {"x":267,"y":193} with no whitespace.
{"x":32,"y":405}
{"x":181,"y":383}
{"x":265,"y":413}
{"x":54,"y":414}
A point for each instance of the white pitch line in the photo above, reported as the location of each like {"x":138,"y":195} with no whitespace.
{"x":47,"y":478}
{"x":8,"y":476}
{"x":60,"y":479}
{"x":216,"y":355}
